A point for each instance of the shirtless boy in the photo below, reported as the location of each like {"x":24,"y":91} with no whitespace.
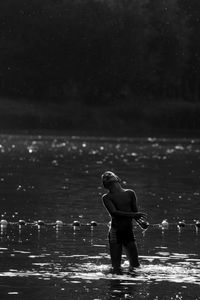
{"x":121,"y":204}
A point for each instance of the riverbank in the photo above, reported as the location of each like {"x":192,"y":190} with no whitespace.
{"x":139,"y":118}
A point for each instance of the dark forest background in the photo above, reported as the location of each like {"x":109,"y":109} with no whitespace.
{"x":100,"y":64}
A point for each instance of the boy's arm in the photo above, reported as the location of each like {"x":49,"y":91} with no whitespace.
{"x":115,"y":212}
{"x":134,"y":206}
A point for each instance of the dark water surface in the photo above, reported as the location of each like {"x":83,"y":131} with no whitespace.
{"x":58,"y":178}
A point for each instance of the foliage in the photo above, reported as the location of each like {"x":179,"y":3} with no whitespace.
{"x":99,"y":51}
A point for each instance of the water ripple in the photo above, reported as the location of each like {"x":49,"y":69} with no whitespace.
{"x":153,"y":269}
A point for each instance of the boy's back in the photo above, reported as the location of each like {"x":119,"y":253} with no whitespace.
{"x":124,"y":200}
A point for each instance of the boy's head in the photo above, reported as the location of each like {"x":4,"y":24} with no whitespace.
{"x":108,"y":178}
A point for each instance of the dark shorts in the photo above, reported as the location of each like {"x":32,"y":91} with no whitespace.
{"x":123,"y":237}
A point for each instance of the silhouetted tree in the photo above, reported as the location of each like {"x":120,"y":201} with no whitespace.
{"x":50,"y":49}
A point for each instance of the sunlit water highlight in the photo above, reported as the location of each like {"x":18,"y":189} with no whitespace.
{"x":53,"y":179}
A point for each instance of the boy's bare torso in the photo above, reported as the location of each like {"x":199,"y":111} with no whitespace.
{"x":124,"y":200}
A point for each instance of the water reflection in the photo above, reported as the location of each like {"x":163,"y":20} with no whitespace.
{"x":48,"y":252}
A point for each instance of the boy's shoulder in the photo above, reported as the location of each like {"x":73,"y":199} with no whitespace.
{"x":106,"y":195}
{"x":106,"y":198}
{"x":129,"y":191}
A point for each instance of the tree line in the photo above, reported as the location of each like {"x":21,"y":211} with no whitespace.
{"x":100,"y":51}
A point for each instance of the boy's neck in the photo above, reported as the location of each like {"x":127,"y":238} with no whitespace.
{"x":116,"y":187}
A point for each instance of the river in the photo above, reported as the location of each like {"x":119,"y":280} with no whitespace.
{"x":52,"y":178}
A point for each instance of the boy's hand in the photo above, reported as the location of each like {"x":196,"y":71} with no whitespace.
{"x":140,"y":215}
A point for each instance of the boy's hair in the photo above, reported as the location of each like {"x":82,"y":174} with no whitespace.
{"x":108,"y":178}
